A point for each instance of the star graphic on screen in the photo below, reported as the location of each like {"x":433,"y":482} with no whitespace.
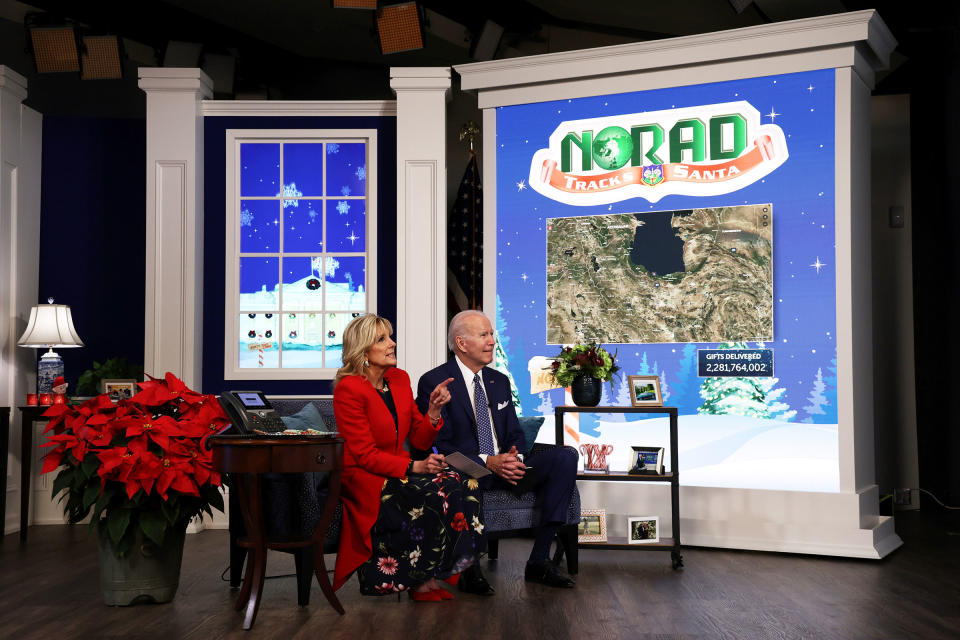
{"x":523,"y":276}
{"x":773,"y":115}
{"x":818,"y":265}
{"x":353,"y":237}
{"x":811,"y":88}
{"x":521,"y":185}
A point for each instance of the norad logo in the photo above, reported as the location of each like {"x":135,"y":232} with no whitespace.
{"x":699,"y":151}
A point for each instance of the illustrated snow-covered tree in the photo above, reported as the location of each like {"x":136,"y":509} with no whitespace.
{"x":623,"y":395}
{"x":606,"y":400}
{"x":644,"y":367}
{"x":684,"y":387}
{"x":664,"y":387}
{"x":777,"y":409}
{"x":500,"y":360}
{"x":830,"y":392}
{"x":546,"y":404}
{"x":501,"y":363}
{"x":816,"y":399}
{"x":733,"y":396}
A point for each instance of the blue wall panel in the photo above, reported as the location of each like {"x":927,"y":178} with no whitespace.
{"x":214,"y":220}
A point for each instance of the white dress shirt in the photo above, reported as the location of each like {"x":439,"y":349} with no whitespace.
{"x":468,"y":380}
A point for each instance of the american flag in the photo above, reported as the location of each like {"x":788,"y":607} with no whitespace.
{"x":465,"y":243}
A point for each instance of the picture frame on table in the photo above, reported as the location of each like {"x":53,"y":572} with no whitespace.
{"x":645,"y":391}
{"x":593,"y":525}
{"x":647,"y":461}
{"x":119,"y":388}
{"x":643,"y":529}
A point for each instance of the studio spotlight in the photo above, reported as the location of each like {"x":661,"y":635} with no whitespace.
{"x":354,"y":4}
{"x":52,"y":43}
{"x":399,"y":27}
{"x":102,"y":58}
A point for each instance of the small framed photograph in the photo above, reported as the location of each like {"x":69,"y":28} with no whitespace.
{"x":645,"y":391}
{"x":593,"y":525}
{"x":119,"y":389}
{"x":643,"y":529}
{"x":647,"y":461}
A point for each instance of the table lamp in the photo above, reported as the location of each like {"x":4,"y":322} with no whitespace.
{"x":50,"y":325}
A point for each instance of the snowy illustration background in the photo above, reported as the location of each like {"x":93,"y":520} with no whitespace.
{"x":770,"y":433}
{"x":302,"y":232}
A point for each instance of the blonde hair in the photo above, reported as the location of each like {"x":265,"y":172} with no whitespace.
{"x":358,"y":337}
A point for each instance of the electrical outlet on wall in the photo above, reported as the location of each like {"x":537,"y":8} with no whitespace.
{"x":901,"y":497}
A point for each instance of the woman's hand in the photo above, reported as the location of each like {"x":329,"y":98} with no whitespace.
{"x":433,"y":463}
{"x":438,"y":397}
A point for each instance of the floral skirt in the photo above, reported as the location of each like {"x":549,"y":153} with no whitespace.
{"x":428,"y":527}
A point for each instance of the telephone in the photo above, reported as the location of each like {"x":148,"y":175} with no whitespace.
{"x":250,"y":411}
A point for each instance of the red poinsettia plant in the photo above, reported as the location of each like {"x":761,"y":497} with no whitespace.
{"x":140,"y":464}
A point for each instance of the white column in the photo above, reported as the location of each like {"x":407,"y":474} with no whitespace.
{"x":20,"y":144}
{"x":421,"y":216}
{"x":174,"y":251}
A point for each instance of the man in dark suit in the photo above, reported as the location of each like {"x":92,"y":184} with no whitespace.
{"x":480,"y":422}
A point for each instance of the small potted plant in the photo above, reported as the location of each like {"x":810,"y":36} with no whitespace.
{"x":141,"y":466}
{"x":582,"y":367}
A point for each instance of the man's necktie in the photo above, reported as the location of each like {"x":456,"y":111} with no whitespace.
{"x":484,"y":431}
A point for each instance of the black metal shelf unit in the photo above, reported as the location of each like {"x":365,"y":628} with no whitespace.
{"x":673,"y":477}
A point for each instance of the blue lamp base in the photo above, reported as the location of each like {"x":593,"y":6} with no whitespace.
{"x":48,"y":370}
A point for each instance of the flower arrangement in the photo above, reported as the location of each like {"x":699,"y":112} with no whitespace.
{"x":140,"y":464}
{"x":583,"y":360}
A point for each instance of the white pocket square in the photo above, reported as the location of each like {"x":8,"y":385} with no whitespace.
{"x":501,"y":405}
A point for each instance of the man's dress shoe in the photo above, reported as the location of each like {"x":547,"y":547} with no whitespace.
{"x":545,"y":572}
{"x":472,"y":581}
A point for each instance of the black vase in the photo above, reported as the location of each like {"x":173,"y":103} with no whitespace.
{"x":585,"y":391}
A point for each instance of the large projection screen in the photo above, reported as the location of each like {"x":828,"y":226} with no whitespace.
{"x":665,"y":222}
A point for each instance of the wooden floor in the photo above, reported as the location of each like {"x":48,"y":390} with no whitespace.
{"x":49,"y":589}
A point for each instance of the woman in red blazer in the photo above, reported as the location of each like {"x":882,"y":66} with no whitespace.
{"x":405,"y":523}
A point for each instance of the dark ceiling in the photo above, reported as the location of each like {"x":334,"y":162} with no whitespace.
{"x":298,"y":49}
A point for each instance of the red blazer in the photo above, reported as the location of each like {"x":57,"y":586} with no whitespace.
{"x":373,"y":452}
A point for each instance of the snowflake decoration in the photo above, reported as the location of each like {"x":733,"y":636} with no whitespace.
{"x":344,"y":190}
{"x":246,"y":218}
{"x":291,"y":191}
{"x":333,"y":148}
{"x":361,"y":172}
{"x":343,"y":207}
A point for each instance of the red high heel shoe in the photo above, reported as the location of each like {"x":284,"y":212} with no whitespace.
{"x":452,"y":580}
{"x":425,"y":596}
{"x":443,"y":593}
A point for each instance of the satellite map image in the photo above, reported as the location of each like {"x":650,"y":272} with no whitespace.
{"x":694,"y":275}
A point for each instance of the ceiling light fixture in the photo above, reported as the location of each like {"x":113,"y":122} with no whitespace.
{"x":399,"y":27}
{"x":354,"y":4}
{"x":52,"y":42}
{"x":101,"y":58}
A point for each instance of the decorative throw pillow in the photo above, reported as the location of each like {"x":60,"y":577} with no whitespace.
{"x":531,"y":427}
{"x":307,"y":418}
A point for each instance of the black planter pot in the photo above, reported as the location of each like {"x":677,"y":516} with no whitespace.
{"x":586,"y":391}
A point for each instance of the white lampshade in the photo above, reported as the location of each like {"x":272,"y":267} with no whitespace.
{"x":50,"y":325}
